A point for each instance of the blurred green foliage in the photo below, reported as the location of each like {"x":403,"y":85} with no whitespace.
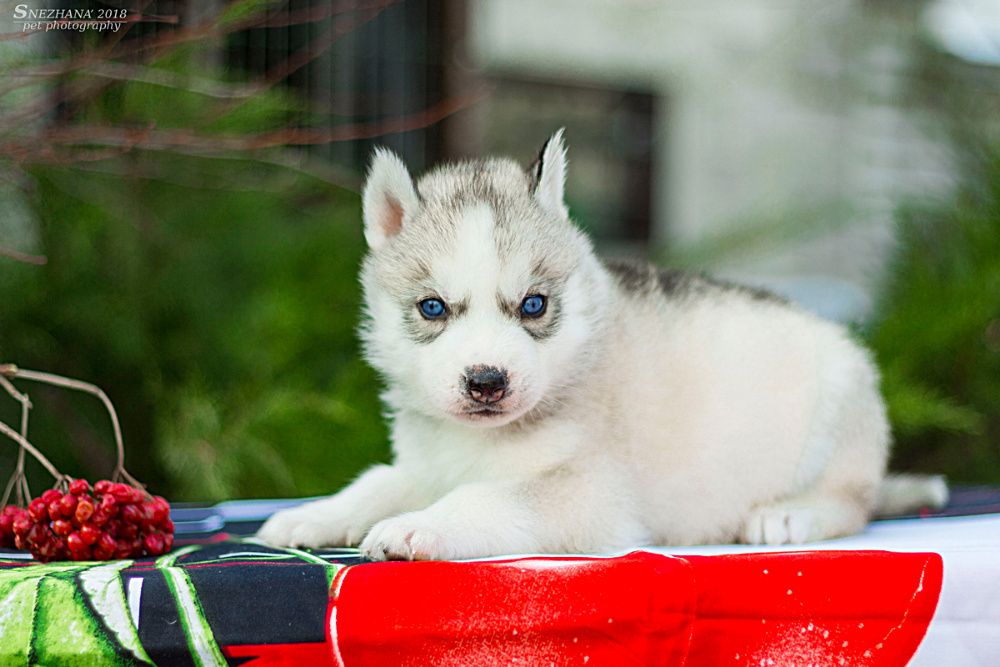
{"x":937,"y":333}
{"x":215,"y":300}
{"x":221,"y":323}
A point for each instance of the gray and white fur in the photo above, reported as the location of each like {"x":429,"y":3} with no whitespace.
{"x":639,"y":407}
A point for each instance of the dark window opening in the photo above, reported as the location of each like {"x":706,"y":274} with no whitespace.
{"x":611,"y":137}
{"x":383,"y":68}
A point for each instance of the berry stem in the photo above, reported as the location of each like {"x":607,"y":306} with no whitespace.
{"x":18,"y":481}
{"x":13,"y":435}
{"x":12,"y":371}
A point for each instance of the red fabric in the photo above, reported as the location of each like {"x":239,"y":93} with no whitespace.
{"x":281,"y":655}
{"x":823,"y":608}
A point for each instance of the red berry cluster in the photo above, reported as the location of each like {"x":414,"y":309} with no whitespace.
{"x":110,"y":521}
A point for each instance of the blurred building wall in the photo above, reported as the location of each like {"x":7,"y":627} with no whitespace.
{"x":783,"y":111}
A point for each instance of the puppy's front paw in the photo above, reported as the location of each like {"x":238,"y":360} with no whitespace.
{"x":408,"y":537}
{"x":778,"y":525}
{"x":310,"y":526}
{"x":277,"y":530}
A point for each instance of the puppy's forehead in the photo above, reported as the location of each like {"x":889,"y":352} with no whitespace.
{"x":496,"y":181}
{"x":478,"y":232}
{"x":473,"y":267}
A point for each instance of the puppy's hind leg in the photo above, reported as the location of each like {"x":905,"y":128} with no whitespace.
{"x":806,"y":518}
{"x":841,"y":467}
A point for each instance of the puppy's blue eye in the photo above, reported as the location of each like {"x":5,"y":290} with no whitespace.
{"x":432,"y":309}
{"x":533,"y":305}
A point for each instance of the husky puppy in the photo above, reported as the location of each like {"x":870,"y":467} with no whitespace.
{"x":545,"y":401}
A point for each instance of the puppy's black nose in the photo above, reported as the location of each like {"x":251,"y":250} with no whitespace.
{"x":485,"y":384}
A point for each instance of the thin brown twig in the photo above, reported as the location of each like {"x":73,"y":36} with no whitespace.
{"x":172,"y":139}
{"x":24,"y":34}
{"x":47,"y":154}
{"x":75,"y":91}
{"x":16,"y":437}
{"x":98,"y":62}
{"x":18,"y":480}
{"x":214,"y":27}
{"x":205,"y":30}
{"x":106,"y":49}
{"x":12,"y":371}
{"x":70,"y":91}
{"x":320,"y":13}
{"x":77,"y":62}
{"x":159,"y":77}
{"x":313,"y":168}
{"x":38,"y":260}
{"x":97,"y":155}
{"x":314,"y":49}
{"x":10,"y":485}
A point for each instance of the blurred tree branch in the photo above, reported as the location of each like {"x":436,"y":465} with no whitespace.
{"x":23,"y":257}
{"x":56,"y":112}
{"x":46,"y":146}
{"x":29,"y":135}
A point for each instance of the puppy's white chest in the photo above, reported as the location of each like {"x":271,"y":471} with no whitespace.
{"x":448,"y":456}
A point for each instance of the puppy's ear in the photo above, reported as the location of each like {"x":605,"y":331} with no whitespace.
{"x":548,"y":175}
{"x":388,"y":198}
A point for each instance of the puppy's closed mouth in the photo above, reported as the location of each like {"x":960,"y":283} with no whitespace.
{"x":484,"y":412}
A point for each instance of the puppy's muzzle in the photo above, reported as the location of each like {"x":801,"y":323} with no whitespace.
{"x":485,"y":384}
